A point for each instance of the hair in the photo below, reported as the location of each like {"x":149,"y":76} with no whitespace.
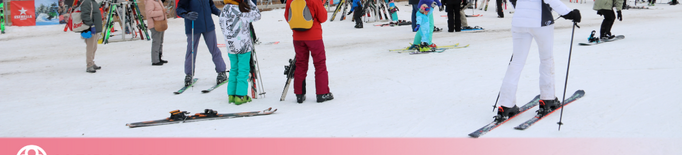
{"x":244,"y":5}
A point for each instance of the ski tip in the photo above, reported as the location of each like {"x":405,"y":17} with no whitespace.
{"x":519,"y":128}
{"x":473,"y":135}
{"x":176,"y":93}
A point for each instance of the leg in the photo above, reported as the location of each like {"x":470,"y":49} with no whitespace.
{"x":212,"y":43}
{"x":463,"y":18}
{"x":302,"y":55}
{"x":156,"y":45}
{"x":414,"y":16}
{"x":423,"y":26}
{"x":450,"y":9}
{"x":500,"y":13}
{"x":320,"y":62}
{"x":91,"y":48}
{"x":431,"y":26}
{"x":609,"y":18}
{"x":357,"y":15}
{"x":191,"y":55}
{"x":234,"y":70}
{"x":522,"y":41}
{"x":243,"y":74}
{"x":544,"y":37}
{"x":458,"y":16}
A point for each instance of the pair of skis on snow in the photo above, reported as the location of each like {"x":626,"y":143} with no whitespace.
{"x":438,"y":49}
{"x":525,"y":125}
{"x":207,"y":115}
{"x":182,"y":90}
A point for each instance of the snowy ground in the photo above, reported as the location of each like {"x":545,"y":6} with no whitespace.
{"x":630,"y":85}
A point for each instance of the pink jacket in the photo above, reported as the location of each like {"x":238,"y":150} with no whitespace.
{"x":154,"y":11}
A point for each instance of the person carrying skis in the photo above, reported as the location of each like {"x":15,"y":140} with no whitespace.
{"x":198,"y":21}
{"x":309,"y":42}
{"x":357,"y":6}
{"x":452,"y":7}
{"x":92,"y":17}
{"x":235,"y":20}
{"x":424,"y":24}
{"x":156,"y":12}
{"x":532,"y":20}
{"x":605,"y":8}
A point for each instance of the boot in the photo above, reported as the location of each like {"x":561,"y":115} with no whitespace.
{"x":424,"y":47}
{"x":238,"y":100}
{"x":188,"y":80}
{"x":222,"y":77}
{"x":230,"y":99}
{"x":157,"y":64}
{"x":161,"y":60}
{"x":547,"y":106}
{"x":504,"y":113}
{"x":324,"y":97}
{"x":91,"y":69}
{"x":300,"y":98}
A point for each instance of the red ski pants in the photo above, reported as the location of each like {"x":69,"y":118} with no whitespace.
{"x":305,"y":48}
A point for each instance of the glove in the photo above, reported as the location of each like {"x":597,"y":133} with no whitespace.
{"x":573,"y":15}
{"x":416,"y":28}
{"x":93,"y":30}
{"x":620,"y":16}
{"x":350,"y":12}
{"x":441,"y":8}
{"x":191,"y":15}
{"x":465,"y":3}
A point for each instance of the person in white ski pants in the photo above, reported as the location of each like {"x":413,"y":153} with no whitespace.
{"x":533,"y":20}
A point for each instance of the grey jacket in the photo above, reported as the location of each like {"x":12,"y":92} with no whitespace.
{"x":96,"y":19}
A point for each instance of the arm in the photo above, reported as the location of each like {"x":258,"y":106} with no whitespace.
{"x":182,"y":8}
{"x":438,"y":2}
{"x":86,"y":13}
{"x":618,"y":4}
{"x":149,"y":9}
{"x":253,"y":15}
{"x":286,"y":11}
{"x":214,"y":10}
{"x":558,"y":7}
{"x":320,"y":12}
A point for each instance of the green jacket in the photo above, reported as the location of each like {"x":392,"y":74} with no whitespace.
{"x":86,"y":8}
{"x":608,"y":5}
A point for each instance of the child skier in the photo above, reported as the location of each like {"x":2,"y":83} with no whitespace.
{"x":532,"y":20}
{"x":605,"y":8}
{"x":424,"y":25}
{"x":357,"y":6}
{"x":234,"y":22}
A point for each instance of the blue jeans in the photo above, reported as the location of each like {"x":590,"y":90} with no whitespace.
{"x":414,"y":16}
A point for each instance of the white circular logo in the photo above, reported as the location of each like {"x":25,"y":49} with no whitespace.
{"x":36,"y":149}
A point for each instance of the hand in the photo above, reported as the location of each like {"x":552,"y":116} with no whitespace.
{"x":573,"y":15}
{"x":93,"y":30}
{"x":620,"y":16}
{"x":191,"y":15}
{"x":465,"y":3}
{"x":350,"y":12}
{"x":441,"y":8}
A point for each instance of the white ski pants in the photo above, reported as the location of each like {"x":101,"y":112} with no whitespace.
{"x":522,"y":37}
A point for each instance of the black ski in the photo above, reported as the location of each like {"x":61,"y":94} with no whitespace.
{"x":208,"y":114}
{"x":525,"y":125}
{"x":185,"y":87}
{"x":492,"y":125}
{"x":618,"y":37}
{"x":214,"y":87}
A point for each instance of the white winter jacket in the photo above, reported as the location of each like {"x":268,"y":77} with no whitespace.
{"x":535,"y":13}
{"x":235,"y":27}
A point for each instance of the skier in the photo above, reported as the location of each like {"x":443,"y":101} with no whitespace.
{"x":235,"y":19}
{"x":357,"y":6}
{"x":309,"y":42}
{"x":532,"y":20}
{"x":414,"y":14}
{"x":452,"y":7}
{"x":500,"y":13}
{"x":605,"y":8}
{"x":93,"y":20}
{"x":424,"y":25}
{"x":156,"y":12}
{"x":198,"y":21}
{"x":463,"y":16}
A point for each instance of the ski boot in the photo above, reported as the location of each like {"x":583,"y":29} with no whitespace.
{"x":241,"y":99}
{"x":300,"y":98}
{"x":425,"y":47}
{"x":222,"y":77}
{"x":504,"y":113}
{"x":207,"y":113}
{"x":593,"y":39}
{"x":547,"y":106}
{"x":324,"y":97}
{"x":230,"y":99}
{"x":188,"y":80}
{"x":177,"y":115}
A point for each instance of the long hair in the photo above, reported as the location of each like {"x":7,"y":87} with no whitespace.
{"x":244,"y":5}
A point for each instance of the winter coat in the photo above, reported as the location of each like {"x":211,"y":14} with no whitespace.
{"x":205,"y":8}
{"x":154,"y":10}
{"x":356,"y":3}
{"x":96,"y":17}
{"x":319,"y":14}
{"x":608,"y":5}
{"x":235,"y":27}
{"x":536,"y":13}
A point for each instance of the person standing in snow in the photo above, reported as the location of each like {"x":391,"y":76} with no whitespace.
{"x":425,"y":24}
{"x":156,"y":12}
{"x":198,"y":21}
{"x":235,"y":19}
{"x":357,"y":7}
{"x":452,"y":7}
{"x":605,"y":8}
{"x":414,"y":14}
{"x":306,"y":43}
{"x":532,"y":20}
{"x":91,"y":17}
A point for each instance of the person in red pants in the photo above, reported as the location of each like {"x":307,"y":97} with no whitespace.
{"x":306,"y":43}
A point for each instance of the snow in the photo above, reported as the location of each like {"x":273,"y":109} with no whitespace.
{"x":630,"y":85}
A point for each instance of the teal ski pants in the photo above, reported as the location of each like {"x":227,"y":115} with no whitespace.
{"x":425,"y":32}
{"x":238,"y":84}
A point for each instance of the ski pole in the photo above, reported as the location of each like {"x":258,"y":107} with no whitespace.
{"x":570,"y":50}
{"x":498,"y":93}
{"x":192,"y":49}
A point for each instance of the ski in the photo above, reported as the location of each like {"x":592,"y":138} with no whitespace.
{"x":618,"y":37}
{"x":289,"y":72}
{"x":208,"y":114}
{"x":492,"y":125}
{"x":525,"y":125}
{"x":437,"y":50}
{"x":214,"y":87}
{"x":407,"y":49}
{"x":185,"y":87}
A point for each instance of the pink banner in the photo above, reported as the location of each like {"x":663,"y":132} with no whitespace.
{"x":336,"y":146}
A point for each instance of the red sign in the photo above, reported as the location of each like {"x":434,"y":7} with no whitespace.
{"x":23,"y":13}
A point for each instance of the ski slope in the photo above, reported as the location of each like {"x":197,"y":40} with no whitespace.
{"x":631,"y":85}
